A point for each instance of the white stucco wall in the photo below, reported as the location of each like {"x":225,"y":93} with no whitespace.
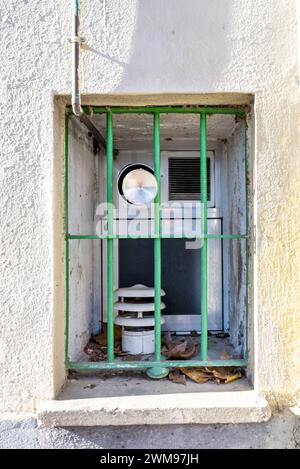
{"x":138,"y":46}
{"x":84,"y":265}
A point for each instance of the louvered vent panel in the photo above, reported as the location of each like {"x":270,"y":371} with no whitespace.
{"x":184,"y":179}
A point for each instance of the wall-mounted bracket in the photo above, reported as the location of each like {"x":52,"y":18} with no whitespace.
{"x":77,"y":40}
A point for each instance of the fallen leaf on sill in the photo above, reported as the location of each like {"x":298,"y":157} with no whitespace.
{"x":101,"y":339}
{"x":90,"y":386}
{"x":175,"y":350}
{"x":177,"y":377}
{"x":182,"y":349}
{"x":233,"y":377}
{"x":98,"y":353}
{"x":90,"y":349}
{"x":97,"y":358}
{"x":167,"y":340}
{"x":197,"y":375}
{"x":221,"y":373}
{"x":208,"y":370}
{"x":224,"y":375}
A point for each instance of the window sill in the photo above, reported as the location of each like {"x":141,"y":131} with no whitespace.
{"x":296,"y":411}
{"x":134,"y":402}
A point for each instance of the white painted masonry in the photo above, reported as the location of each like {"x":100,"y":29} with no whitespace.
{"x":143,"y":51}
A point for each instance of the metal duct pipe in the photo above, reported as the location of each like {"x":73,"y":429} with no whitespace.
{"x":76,"y":41}
{"x":76,"y":98}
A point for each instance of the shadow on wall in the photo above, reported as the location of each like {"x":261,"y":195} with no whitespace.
{"x":159,"y":45}
{"x":177,"y":45}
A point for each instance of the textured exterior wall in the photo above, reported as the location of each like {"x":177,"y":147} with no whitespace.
{"x":174,"y":46}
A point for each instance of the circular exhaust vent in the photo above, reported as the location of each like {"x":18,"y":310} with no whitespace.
{"x":137,"y":184}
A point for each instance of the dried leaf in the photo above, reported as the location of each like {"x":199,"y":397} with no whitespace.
{"x":102,"y":338}
{"x":224,"y":375}
{"x":208,"y":370}
{"x":221,"y":373}
{"x":182,"y":349}
{"x":233,"y":377}
{"x":167,"y":340}
{"x":190,"y":351}
{"x":177,"y":377}
{"x":176,"y":350}
{"x":196,"y":374}
{"x":90,"y":349}
{"x":90,"y":386}
{"x":98,"y":353}
{"x":95,"y":359}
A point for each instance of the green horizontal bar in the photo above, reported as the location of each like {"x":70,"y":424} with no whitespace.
{"x":169,"y":110}
{"x":112,"y":237}
{"x":165,"y":364}
{"x":225,"y":236}
{"x":161,"y":110}
{"x":157,"y":236}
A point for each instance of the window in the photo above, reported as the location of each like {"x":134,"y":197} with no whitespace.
{"x":187,"y":250}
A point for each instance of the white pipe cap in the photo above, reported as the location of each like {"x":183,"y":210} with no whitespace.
{"x":138,"y":291}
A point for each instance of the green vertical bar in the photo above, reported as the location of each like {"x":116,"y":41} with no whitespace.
{"x":203,"y":180}
{"x":110,"y":242}
{"x":66,"y":229}
{"x":157,"y":241}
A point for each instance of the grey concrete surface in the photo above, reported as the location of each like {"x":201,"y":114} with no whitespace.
{"x":281,"y":432}
{"x":87,"y":385}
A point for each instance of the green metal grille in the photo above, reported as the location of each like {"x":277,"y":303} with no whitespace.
{"x":158,"y":363}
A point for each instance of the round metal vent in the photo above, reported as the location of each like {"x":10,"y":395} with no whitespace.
{"x":137,"y":184}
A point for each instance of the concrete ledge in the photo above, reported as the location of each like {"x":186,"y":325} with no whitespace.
{"x":296,"y":411}
{"x":16,"y":416}
{"x":165,"y":409}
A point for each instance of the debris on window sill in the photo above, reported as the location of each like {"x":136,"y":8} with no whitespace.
{"x":183,"y":348}
{"x":221,"y":375}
